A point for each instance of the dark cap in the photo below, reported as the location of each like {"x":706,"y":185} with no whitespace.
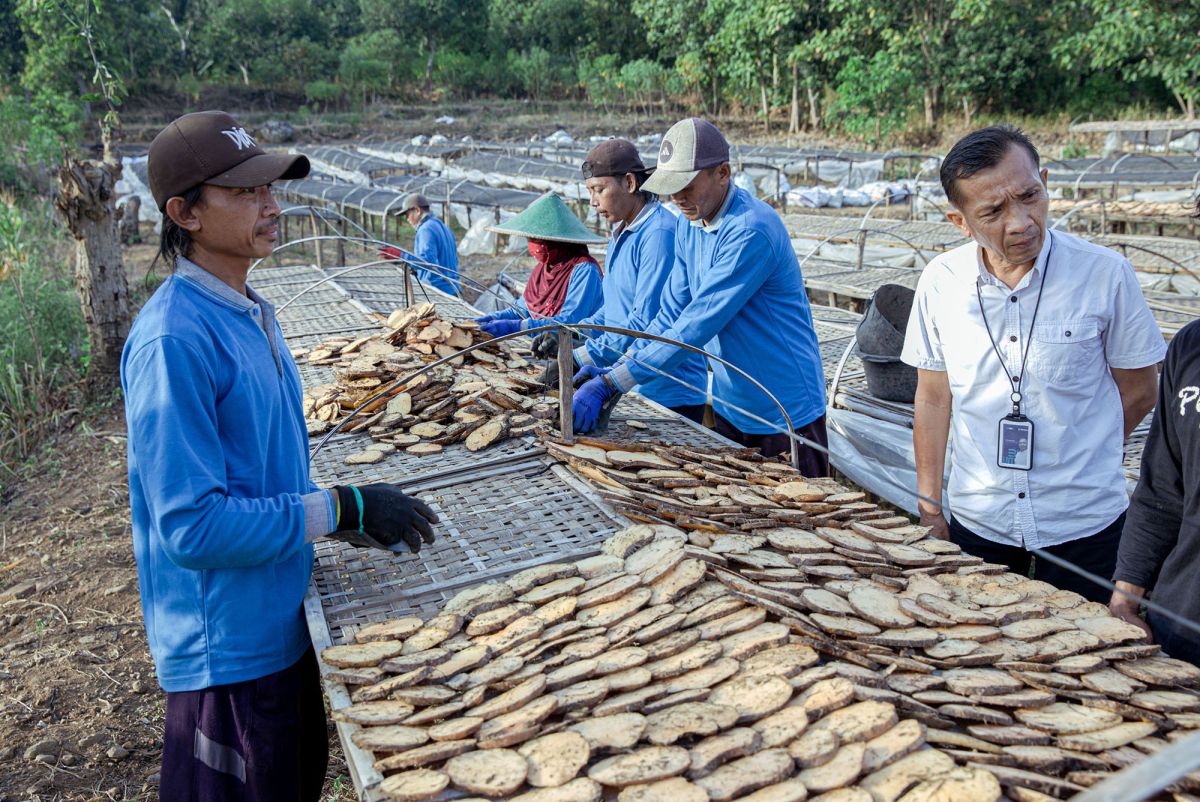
{"x":211,"y":147}
{"x":613,"y":157}
{"x":413,"y":200}
{"x":690,"y":146}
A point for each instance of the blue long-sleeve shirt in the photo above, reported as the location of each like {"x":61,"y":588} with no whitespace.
{"x":434,"y":243}
{"x":640,"y":259}
{"x":739,"y":293}
{"x":223,"y":510}
{"x":585,"y":294}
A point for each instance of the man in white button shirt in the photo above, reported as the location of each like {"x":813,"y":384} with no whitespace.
{"x":1045,"y":349}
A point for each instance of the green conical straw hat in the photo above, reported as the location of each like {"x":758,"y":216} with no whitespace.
{"x":549,"y":218}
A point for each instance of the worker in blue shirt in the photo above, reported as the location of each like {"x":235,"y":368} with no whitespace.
{"x":738,"y":293}
{"x":639,"y":260}
{"x":223,"y":510}
{"x":566,"y":284}
{"x":433,"y":243}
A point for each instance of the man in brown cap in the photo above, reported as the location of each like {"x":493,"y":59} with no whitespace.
{"x":223,"y":510}
{"x":639,"y":260}
{"x":737,"y":290}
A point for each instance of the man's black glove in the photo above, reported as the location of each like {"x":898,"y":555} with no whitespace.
{"x":545,"y":345}
{"x":380,"y":516}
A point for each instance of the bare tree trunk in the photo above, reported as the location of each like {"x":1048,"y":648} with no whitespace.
{"x":814,"y":108}
{"x":429,"y":64}
{"x":766,"y":106}
{"x":930,"y":111}
{"x":85,"y":105}
{"x":88,"y":203}
{"x":794,"y":117}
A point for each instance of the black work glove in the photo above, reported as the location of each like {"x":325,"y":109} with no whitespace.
{"x":384,"y":519}
{"x":545,"y":345}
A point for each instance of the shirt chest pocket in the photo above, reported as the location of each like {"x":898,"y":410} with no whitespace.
{"x":1066,"y":351}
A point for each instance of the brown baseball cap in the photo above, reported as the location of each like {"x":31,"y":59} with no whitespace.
{"x":211,"y":147}
{"x":613,"y":157}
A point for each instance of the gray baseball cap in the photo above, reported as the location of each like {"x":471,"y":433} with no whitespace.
{"x":690,"y":146}
{"x":413,"y":200}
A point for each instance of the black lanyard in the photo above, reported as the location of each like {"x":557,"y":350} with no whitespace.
{"x":1016,"y":384}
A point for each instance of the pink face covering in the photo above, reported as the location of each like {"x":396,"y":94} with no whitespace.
{"x":547,"y":287}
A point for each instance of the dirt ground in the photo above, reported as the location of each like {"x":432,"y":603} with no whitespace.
{"x":524,"y":119}
{"x":81,"y":712}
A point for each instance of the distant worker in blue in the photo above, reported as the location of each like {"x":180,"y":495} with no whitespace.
{"x":566,"y":283}
{"x":433,"y":244}
{"x":737,"y":292}
{"x":639,"y":260}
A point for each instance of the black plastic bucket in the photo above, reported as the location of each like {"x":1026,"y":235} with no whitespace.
{"x":881,"y":331}
{"x":890,"y":379}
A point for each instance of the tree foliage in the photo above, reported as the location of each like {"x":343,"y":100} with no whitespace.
{"x":866,"y":67}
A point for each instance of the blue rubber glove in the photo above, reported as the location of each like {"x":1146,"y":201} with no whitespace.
{"x":485,"y":319}
{"x":590,"y":398}
{"x":498,"y":328}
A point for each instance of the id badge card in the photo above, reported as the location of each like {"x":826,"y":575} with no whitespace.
{"x":1015,"y":449}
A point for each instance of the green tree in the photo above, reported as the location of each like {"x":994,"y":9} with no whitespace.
{"x":534,"y":69}
{"x":643,"y":81}
{"x":1140,"y":38}
{"x":252,"y":40}
{"x":428,"y":24}
{"x":915,"y":34}
{"x":812,"y":60}
{"x":873,"y":95}
{"x":600,"y":78}
{"x":56,"y":56}
{"x":998,"y":50}
{"x":749,"y":41}
{"x":686,"y":30}
{"x":368,"y":65}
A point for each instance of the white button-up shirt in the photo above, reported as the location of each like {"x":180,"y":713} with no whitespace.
{"x":1093,"y":317}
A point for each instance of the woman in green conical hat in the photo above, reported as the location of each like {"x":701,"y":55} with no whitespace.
{"x":566,"y":282}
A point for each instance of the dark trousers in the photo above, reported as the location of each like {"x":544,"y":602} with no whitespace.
{"x":693,"y":412}
{"x":1095,"y":553}
{"x":262,"y":740}
{"x":814,"y":462}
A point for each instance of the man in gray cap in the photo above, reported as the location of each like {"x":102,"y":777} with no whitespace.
{"x":224,"y":513}
{"x":736,"y":290}
{"x":433,"y":244}
{"x":639,"y":261}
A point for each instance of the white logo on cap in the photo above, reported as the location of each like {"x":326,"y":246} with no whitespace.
{"x":668,"y":150}
{"x":239,"y":137}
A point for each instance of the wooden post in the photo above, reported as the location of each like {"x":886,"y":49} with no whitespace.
{"x":862,"y":247}
{"x":408,"y":287}
{"x":316,"y":233}
{"x":129,"y":220}
{"x":340,"y":227}
{"x":566,"y":391}
{"x":496,"y":241}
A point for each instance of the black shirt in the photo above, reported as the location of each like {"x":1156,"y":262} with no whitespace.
{"x":1160,"y":545}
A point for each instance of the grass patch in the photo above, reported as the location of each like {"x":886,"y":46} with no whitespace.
{"x":43,"y":343}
